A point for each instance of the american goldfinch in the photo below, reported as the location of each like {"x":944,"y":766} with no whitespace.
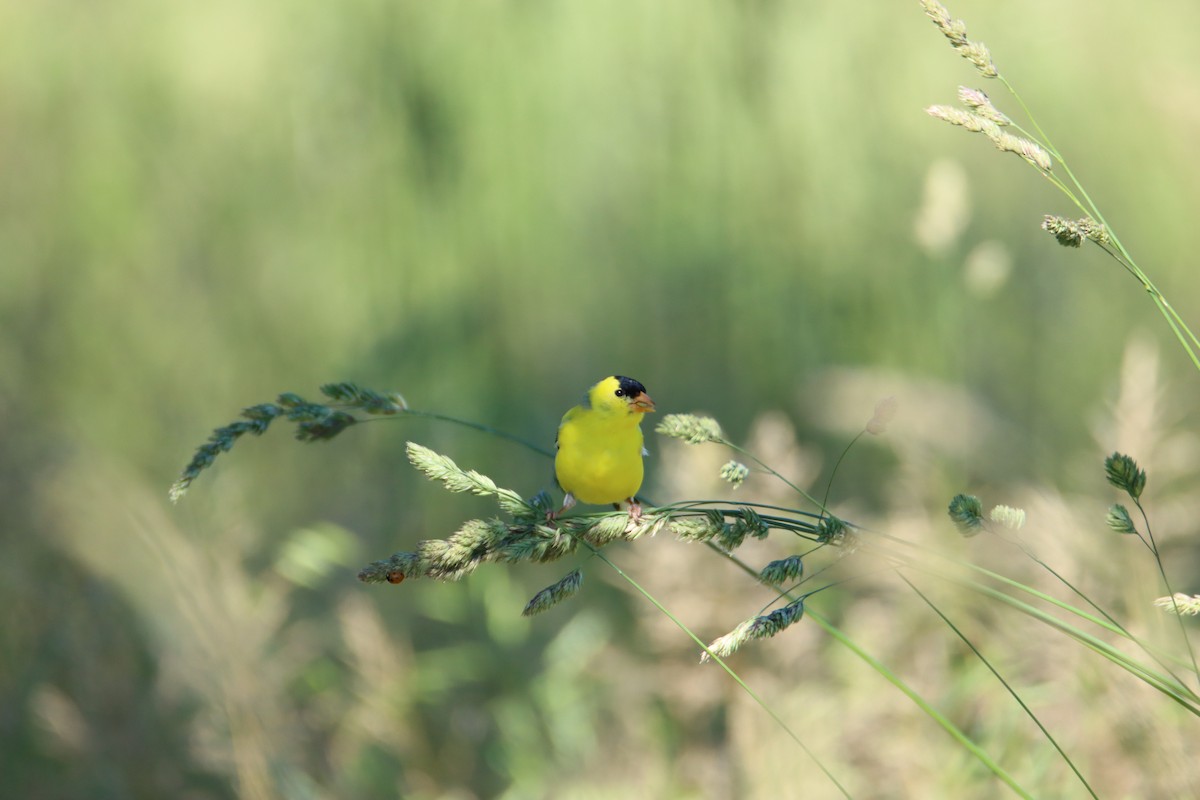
{"x":599,"y":458}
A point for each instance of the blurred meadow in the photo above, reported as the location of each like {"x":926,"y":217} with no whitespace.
{"x":487,"y":207}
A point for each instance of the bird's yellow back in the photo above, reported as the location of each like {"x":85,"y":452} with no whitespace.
{"x":599,"y":457}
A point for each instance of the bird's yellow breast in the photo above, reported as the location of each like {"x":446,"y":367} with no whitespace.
{"x":599,"y":457}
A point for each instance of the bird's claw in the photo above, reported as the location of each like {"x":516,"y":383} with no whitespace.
{"x":635,"y":514}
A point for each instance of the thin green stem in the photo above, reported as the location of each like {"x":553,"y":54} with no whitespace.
{"x":1079,"y":593}
{"x":409,"y":412}
{"x":1167,"y":584}
{"x":895,"y":680}
{"x":1171,"y":688}
{"x":768,"y":468}
{"x":1049,"y":145}
{"x":1106,"y":623}
{"x":838,"y":463}
{"x":1168,"y":685}
{"x":921,"y":703}
{"x":1175,"y":315}
{"x":784,"y":509}
{"x":1008,"y":687}
{"x":1178,"y":325}
{"x":729,"y":670}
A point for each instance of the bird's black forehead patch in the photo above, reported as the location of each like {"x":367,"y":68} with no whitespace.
{"x":629,"y":387}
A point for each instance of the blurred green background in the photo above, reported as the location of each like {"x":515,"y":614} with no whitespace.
{"x":488,"y":206}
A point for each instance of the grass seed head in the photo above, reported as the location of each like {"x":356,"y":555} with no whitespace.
{"x":955,"y":30}
{"x":1119,"y":520}
{"x":967,"y":513}
{"x":1123,"y":472}
{"x":978,"y":102}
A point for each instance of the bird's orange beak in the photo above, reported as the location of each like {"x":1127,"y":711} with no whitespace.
{"x":642,"y":403}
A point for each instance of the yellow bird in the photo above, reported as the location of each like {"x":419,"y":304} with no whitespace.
{"x":599,"y":458}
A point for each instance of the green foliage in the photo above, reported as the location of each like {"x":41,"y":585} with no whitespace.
{"x":409,"y":194}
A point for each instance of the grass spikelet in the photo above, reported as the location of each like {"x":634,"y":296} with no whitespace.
{"x":354,"y":396}
{"x":691,"y":428}
{"x":831,"y":530}
{"x":955,"y":30}
{"x":975,"y":123}
{"x":1094,"y":231}
{"x":555,"y":594}
{"x":541,"y":504}
{"x":395,"y":569}
{"x":697,"y":528}
{"x":1123,"y":473}
{"x":979,"y":123}
{"x":979,"y":55}
{"x":649,"y":525}
{"x":600,"y":531}
{"x":747,"y":523}
{"x":980,"y":104}
{"x":314,"y":422}
{"x":442,"y":468}
{"x":732,"y":537}
{"x":1009,"y":517}
{"x":885,"y":412}
{"x":760,"y":627}
{"x":1119,"y":520}
{"x":1071,"y":233}
{"x":476,"y":542}
{"x":967,"y":513}
{"x":1025,"y":148}
{"x":535,"y":545}
{"x":1064,"y":230}
{"x":258,"y":418}
{"x":465,"y":550}
{"x":725,"y":646}
{"x":782,"y":571}
{"x":735,"y":473}
{"x":1180,"y":603}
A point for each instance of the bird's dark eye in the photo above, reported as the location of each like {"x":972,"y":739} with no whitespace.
{"x":620,"y":392}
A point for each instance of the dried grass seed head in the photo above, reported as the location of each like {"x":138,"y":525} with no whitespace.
{"x":1180,"y":603}
{"x":885,"y":412}
{"x":974,"y":123}
{"x":691,"y":428}
{"x":978,"y":102}
{"x":1009,"y":517}
{"x":955,"y":30}
{"x":1029,"y":150}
